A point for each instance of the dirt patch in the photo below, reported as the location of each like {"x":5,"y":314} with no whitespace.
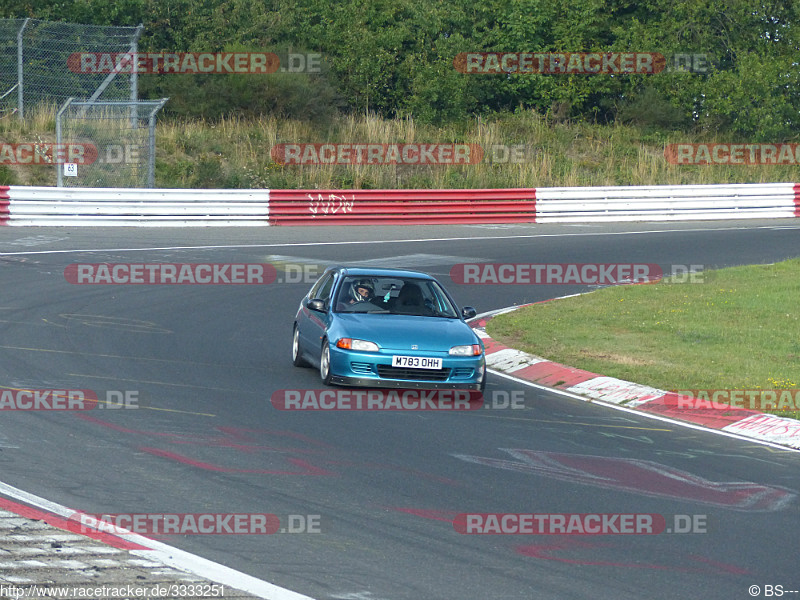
{"x":620,"y":359}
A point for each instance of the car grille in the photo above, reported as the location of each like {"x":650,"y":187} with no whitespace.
{"x":361,"y":368}
{"x":403,"y":373}
{"x":463,"y":372}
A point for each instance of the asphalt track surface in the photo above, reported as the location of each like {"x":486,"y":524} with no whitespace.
{"x":206,"y":359}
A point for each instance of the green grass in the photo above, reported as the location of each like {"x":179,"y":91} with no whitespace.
{"x":235,"y":153}
{"x":739,"y":329}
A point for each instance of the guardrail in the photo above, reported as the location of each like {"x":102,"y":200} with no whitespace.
{"x":665,"y":203}
{"x":21,"y":205}
{"x":135,"y":207}
{"x":5,"y":205}
{"x":402,"y":207}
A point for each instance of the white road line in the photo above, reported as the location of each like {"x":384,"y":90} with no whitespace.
{"x":173,"y":557}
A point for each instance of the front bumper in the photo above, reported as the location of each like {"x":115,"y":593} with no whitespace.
{"x":371,"y":369}
{"x":378,"y":382}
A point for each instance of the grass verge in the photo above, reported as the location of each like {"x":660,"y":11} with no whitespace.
{"x":737,"y":330}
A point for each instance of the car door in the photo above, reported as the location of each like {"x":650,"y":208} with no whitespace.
{"x":315,"y":323}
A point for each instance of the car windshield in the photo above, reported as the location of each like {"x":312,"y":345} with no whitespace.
{"x":395,"y":296}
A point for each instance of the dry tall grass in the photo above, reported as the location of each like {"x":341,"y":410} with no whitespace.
{"x":235,"y":153}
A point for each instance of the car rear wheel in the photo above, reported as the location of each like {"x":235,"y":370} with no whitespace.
{"x":297,"y":357}
{"x":325,"y":363}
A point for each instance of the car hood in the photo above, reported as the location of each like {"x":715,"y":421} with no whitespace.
{"x":401,"y":332}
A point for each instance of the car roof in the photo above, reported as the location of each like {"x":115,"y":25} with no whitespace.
{"x":382,"y":272}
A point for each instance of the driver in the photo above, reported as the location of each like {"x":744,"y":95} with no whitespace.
{"x":361,"y":291}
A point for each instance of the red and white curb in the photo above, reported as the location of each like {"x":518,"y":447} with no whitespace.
{"x":595,"y":387}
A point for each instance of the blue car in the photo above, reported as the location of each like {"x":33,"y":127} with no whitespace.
{"x":387,"y":328}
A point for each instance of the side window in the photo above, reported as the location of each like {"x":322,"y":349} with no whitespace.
{"x":323,"y":281}
{"x":322,"y":290}
{"x":325,"y":290}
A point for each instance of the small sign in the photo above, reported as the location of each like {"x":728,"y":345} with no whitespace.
{"x":70,"y":169}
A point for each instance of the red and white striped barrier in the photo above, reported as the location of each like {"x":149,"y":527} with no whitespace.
{"x":52,"y":206}
{"x":21,"y":205}
{"x":5,"y":205}
{"x":668,"y":203}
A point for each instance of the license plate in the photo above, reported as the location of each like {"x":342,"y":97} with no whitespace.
{"x":416,"y":362}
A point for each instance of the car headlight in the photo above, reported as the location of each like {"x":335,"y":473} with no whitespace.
{"x":472,"y":350}
{"x":362,"y":345}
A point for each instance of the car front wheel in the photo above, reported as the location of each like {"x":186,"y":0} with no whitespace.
{"x":325,"y":363}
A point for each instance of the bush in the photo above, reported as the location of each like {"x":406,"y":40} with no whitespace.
{"x":651,"y":109}
{"x":302,"y":96}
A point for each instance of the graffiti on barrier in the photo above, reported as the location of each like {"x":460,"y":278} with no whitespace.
{"x":329,"y":204}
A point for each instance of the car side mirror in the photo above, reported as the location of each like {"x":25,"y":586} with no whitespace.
{"x":316,"y":304}
{"x":468,"y":312}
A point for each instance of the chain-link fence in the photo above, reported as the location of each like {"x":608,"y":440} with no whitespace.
{"x":40,"y":61}
{"x":107,"y":143}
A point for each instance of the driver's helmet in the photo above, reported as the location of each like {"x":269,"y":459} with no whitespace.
{"x":363,"y":283}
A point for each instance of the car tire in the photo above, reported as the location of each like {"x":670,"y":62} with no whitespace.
{"x":325,"y":363}
{"x":483,"y":382}
{"x":297,"y":357}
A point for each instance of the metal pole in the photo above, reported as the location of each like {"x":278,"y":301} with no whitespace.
{"x":151,"y":154}
{"x":151,"y":158}
{"x":20,"y":94}
{"x":135,"y":77}
{"x":60,"y":168}
{"x":114,"y":72}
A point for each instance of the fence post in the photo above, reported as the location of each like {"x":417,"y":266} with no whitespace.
{"x":20,"y":95}
{"x":151,"y":159}
{"x":135,"y":75}
{"x":59,"y":138}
